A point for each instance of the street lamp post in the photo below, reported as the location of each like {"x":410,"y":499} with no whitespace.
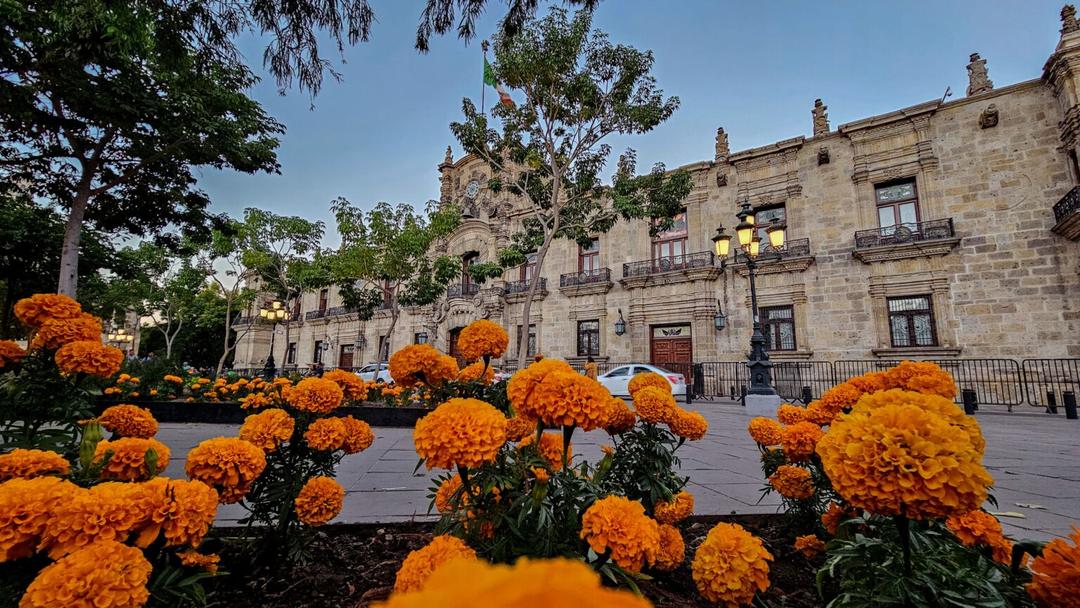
{"x":750,"y":243}
{"x":274,"y":312}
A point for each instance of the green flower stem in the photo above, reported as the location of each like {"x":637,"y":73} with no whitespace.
{"x":567,"y":432}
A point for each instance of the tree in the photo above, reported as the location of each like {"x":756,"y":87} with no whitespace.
{"x":383,"y":259}
{"x":285,"y":254}
{"x":167,"y":292}
{"x":578,"y":88}
{"x":222,"y":261}
{"x":106,"y":108}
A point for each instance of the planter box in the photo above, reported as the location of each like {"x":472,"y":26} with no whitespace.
{"x":230,"y":412}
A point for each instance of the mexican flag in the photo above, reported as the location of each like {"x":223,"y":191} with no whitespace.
{"x":489,"y":80}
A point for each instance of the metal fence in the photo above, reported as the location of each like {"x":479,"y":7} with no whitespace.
{"x":995,"y":381}
{"x":1047,"y":380}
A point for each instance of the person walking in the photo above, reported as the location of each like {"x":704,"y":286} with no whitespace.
{"x":590,"y":368}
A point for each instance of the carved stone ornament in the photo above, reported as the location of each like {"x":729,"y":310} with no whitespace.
{"x":723,"y":150}
{"x":821,"y":118}
{"x":1068,"y":19}
{"x":989,"y":117}
{"x":449,"y":158}
{"x":822,"y":156}
{"x":721,"y":180}
{"x":978,"y":79}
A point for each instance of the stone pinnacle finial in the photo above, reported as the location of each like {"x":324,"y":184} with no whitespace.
{"x":1068,"y":19}
{"x":722,"y":148}
{"x":821,"y":118}
{"x":449,"y":158}
{"x":978,"y":79}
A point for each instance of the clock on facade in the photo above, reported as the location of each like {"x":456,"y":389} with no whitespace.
{"x":472,"y":189}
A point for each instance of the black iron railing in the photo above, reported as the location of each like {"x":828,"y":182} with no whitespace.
{"x":902,"y":234}
{"x":672,"y":263}
{"x":585,"y":277}
{"x":995,"y":381}
{"x":796,"y":248}
{"x":523,"y":287}
{"x":245,"y":321}
{"x":1047,"y":380}
{"x":1068,"y":205}
{"x":462,"y":290}
{"x":339,"y":310}
{"x":315,"y":314}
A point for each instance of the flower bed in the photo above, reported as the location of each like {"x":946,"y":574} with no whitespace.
{"x":231,"y":412}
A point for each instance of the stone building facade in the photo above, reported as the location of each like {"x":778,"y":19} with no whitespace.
{"x":945,"y":229}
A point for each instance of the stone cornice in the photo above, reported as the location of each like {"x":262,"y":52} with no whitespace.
{"x":799,"y":264}
{"x":706,"y":273}
{"x":920,"y":249}
{"x":917,"y":351}
{"x":878,"y":126}
{"x":514,"y":298}
{"x":587,"y":289}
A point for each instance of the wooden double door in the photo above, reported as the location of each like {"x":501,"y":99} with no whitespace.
{"x":672,"y":347}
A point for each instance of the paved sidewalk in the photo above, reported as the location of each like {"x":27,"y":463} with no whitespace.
{"x":1034,"y":458}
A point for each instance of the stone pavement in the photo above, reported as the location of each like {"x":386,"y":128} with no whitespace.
{"x":1034,"y":458}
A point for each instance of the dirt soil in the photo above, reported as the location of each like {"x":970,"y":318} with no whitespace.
{"x":353,"y":566}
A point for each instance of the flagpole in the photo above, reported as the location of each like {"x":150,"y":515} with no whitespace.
{"x":483,"y":85}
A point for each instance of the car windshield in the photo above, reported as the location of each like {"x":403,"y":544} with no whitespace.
{"x":662,"y":370}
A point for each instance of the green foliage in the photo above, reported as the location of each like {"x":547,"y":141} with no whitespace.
{"x":41,"y":409}
{"x":869,"y":566}
{"x":643,"y":467}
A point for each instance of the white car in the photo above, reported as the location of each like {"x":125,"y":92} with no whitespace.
{"x":367,"y":373}
{"x":617,"y":379}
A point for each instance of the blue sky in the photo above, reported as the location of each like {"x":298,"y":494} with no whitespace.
{"x":754,"y":68}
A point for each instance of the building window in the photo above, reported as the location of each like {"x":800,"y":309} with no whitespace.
{"x":532,"y":339}
{"x":897,"y":204}
{"x":420,"y":338}
{"x":468,"y":260}
{"x":764,"y":216}
{"x":296,"y":307}
{"x":589,"y":258}
{"x":778,"y":324}
{"x":318,"y":353}
{"x":290,"y":354}
{"x":324,"y":298}
{"x":588,"y":338}
{"x":669,"y":246}
{"x":528,"y":268}
{"x":911,"y":321}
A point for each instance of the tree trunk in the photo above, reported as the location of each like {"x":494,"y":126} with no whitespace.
{"x":394,"y":313}
{"x":225,"y":345}
{"x":69,"y":253}
{"x":526,"y":307}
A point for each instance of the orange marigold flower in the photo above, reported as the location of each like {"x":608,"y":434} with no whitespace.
{"x":481,"y":339}
{"x":556,"y":583}
{"x":932,"y":403}
{"x":108,"y":511}
{"x":351,"y":384}
{"x":268,"y":429}
{"x":640,"y":381}
{"x":25,"y":464}
{"x":358,"y":435}
{"x":319,"y":501}
{"x":550,"y":448}
{"x":672,"y":549}
{"x":833,"y":516}
{"x":809,"y":545}
{"x":621,"y":417}
{"x":107,"y":574}
{"x":840,"y":397}
{"x":419,"y":565}
{"x":173,"y":379}
{"x":764,"y":431}
{"x":40,"y":307}
{"x":675,"y":510}
{"x":226,"y":464}
{"x":980,"y":529}
{"x":1055,"y":575}
{"x":316,"y":395}
{"x":540,"y":474}
{"x":792,"y":482}
{"x":478,"y":371}
{"x":129,"y":459}
{"x":619,"y":525}
{"x":203,"y":561}
{"x":731,"y":565}
{"x":55,"y":333}
{"x":921,"y":377}
{"x":325,"y":434}
{"x":444,"y":495}
{"x":421,"y":364}
{"x":519,"y":388}
{"x":10,"y":353}
{"x":654,"y":405}
{"x":255,"y":401}
{"x":461,"y":432}
{"x":790,"y":414}
{"x":688,"y":425}
{"x":819,"y":415}
{"x":870,"y":382}
{"x":183,"y":512}
{"x":799,"y":440}
{"x":129,"y":421}
{"x":901,"y":459}
{"x":569,"y":399}
{"x":519,"y":427}
{"x":26,"y":506}
{"x":89,"y":357}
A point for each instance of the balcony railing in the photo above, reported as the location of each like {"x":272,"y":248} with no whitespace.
{"x":672,"y":263}
{"x":795,"y":248}
{"x":902,"y":234}
{"x":585,"y":277}
{"x":523,"y":287}
{"x":1068,"y":205}
{"x":245,"y":321}
{"x":462,"y":290}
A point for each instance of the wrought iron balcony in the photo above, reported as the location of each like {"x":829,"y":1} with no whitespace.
{"x":903,"y":234}
{"x":462,"y":290}
{"x":315,"y":314}
{"x":1068,"y":205}
{"x":585,"y":277}
{"x":522,"y":287}
{"x":672,"y":263}
{"x":794,"y":248}
{"x":337,"y":311}
{"x":245,"y":321}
